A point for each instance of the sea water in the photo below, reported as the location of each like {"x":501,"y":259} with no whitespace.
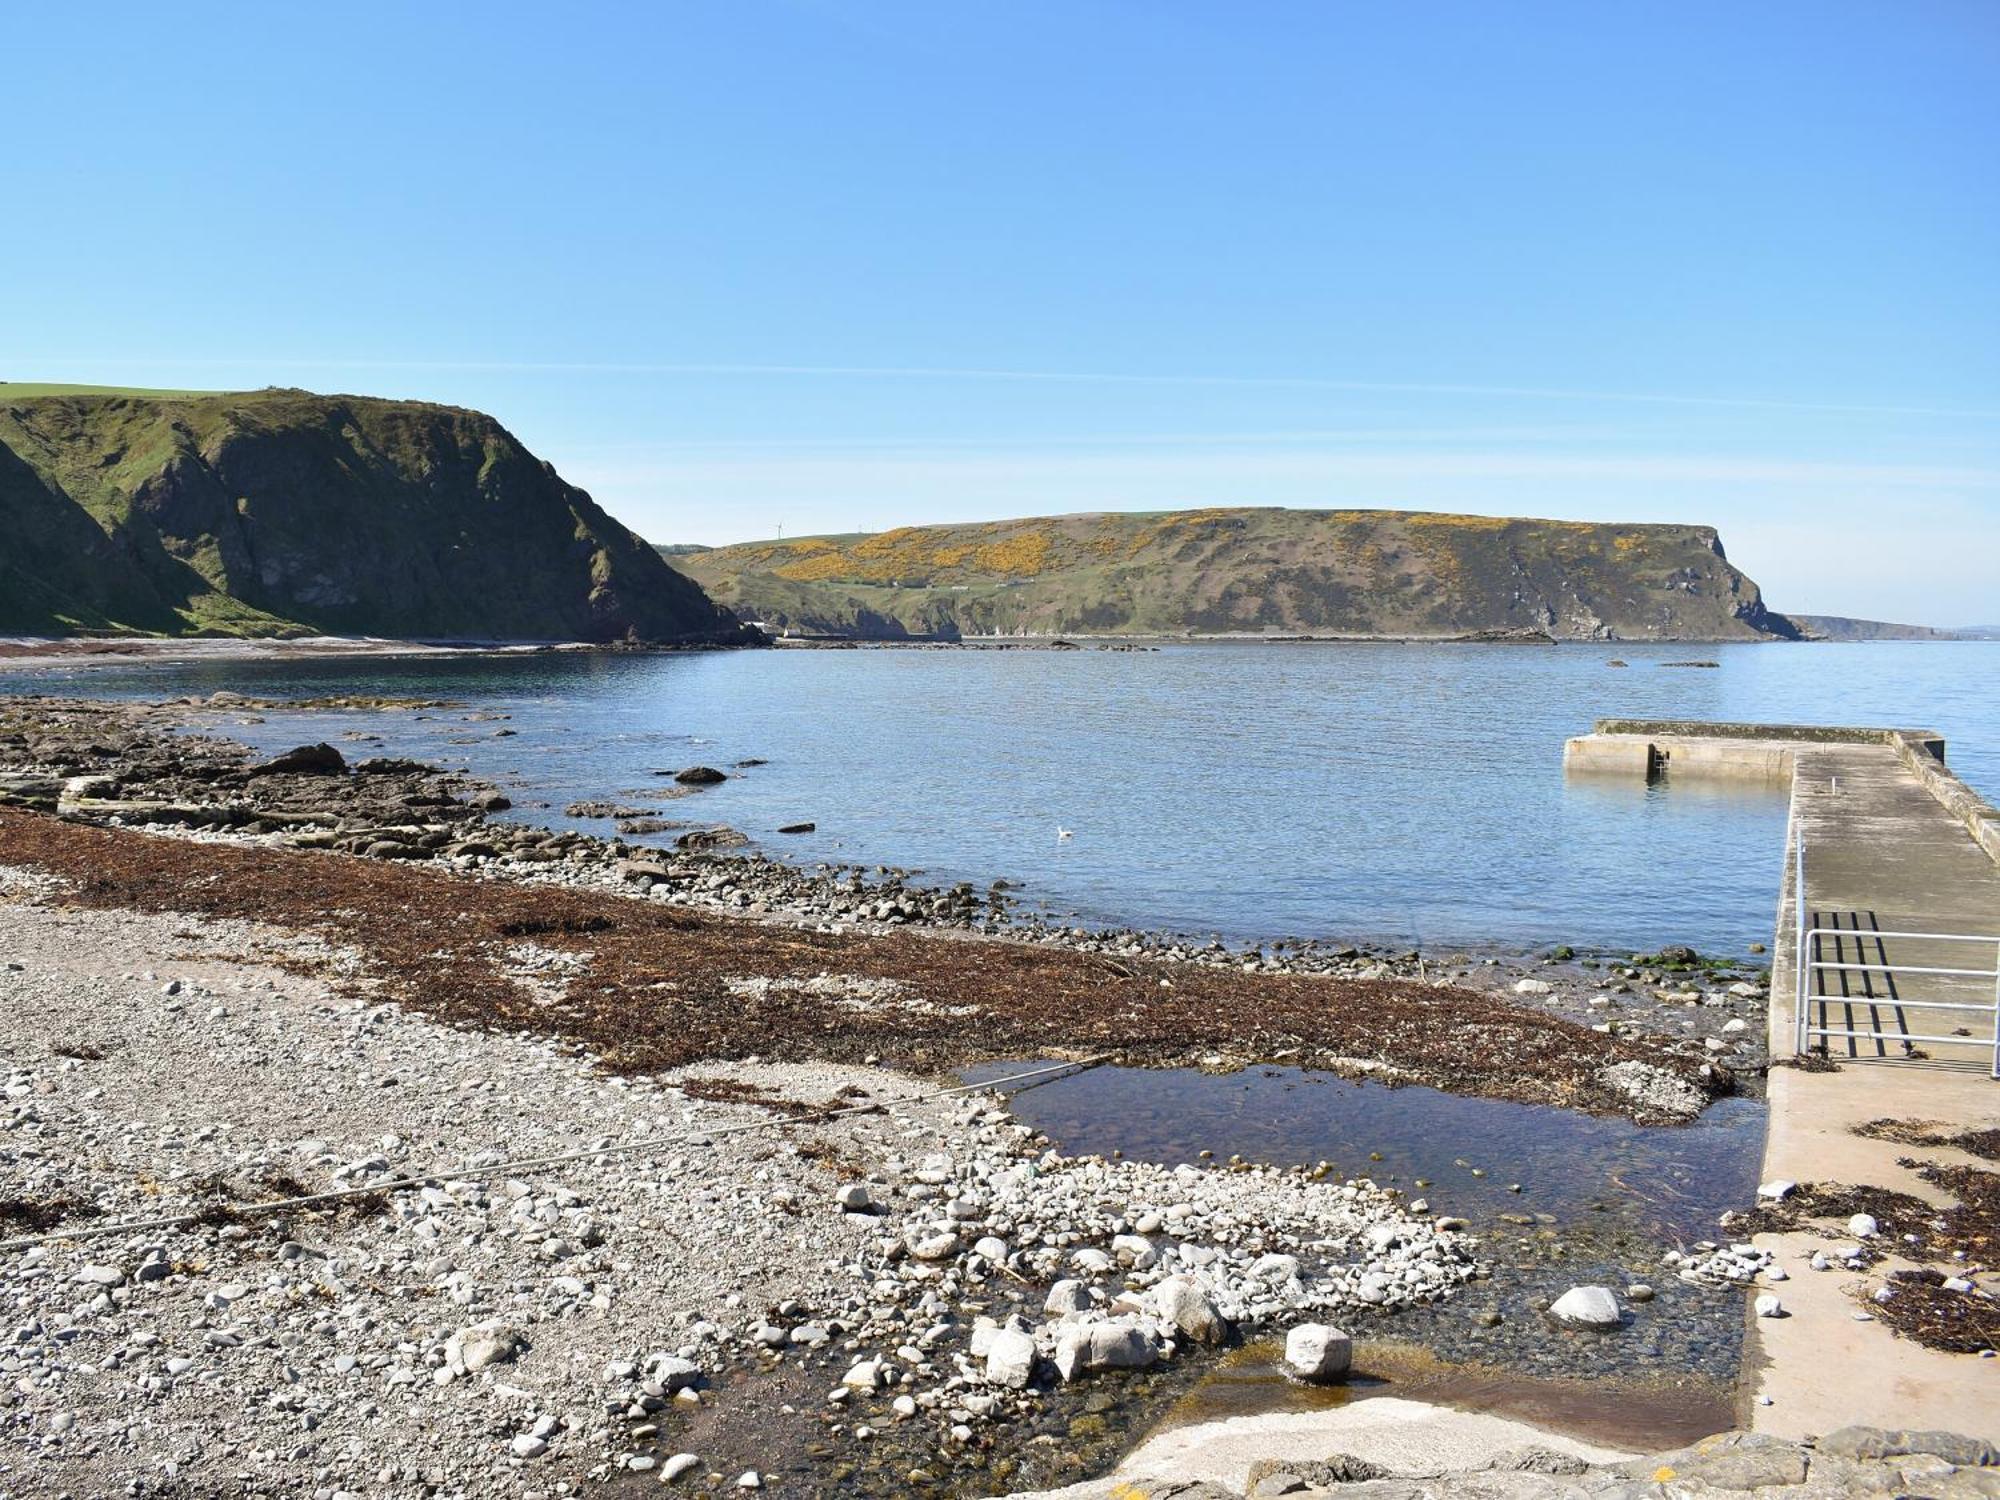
{"x":1411,"y":794}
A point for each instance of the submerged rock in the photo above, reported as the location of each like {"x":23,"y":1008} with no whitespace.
{"x":1654,"y":1089}
{"x":712,"y":838}
{"x":1587,"y":1307}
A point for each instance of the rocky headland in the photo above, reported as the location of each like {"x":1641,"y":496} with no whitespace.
{"x":286,"y":513}
{"x":1261,"y":572}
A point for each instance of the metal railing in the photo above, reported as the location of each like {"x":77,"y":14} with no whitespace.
{"x":1810,"y":986}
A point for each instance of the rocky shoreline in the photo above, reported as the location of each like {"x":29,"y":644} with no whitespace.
{"x":1671,"y":1030}
{"x":224,"y":983}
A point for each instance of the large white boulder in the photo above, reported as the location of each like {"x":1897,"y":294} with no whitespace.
{"x":935,"y":1243}
{"x":1115,"y":1344}
{"x":484,"y":1344}
{"x":1318,"y":1351}
{"x":1183,"y":1305}
{"x":1010,"y":1358}
{"x":1134,"y":1250}
{"x":672,"y":1372}
{"x":1067,"y":1296}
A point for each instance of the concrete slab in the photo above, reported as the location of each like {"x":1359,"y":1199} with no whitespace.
{"x":1407,"y":1437}
{"x":1819,"y":1367}
{"x":1881,"y":851}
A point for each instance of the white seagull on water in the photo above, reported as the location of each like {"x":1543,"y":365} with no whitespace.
{"x":1063,"y":833}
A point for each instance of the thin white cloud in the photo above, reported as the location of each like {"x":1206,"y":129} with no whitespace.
{"x":981,"y":373}
{"x":1102,"y":440}
{"x":832,"y":472}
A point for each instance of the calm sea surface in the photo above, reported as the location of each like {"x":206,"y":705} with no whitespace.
{"x":1252,"y":791}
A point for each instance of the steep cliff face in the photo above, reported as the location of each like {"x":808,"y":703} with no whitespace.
{"x":1844,"y":628}
{"x":284,"y":512}
{"x":1249,"y":572}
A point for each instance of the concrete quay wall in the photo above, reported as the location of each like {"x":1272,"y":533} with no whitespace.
{"x":1652,"y":748}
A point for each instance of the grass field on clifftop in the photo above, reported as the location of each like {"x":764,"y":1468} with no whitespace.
{"x":27,"y":390}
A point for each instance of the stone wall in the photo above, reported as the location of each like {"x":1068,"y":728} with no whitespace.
{"x":1852,"y":1461}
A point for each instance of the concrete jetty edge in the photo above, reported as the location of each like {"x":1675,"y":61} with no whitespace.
{"x":1767,"y":752}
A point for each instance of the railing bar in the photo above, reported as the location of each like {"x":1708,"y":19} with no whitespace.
{"x":1896,"y":1036}
{"x":1847,"y":990}
{"x":1904,"y":969}
{"x":1983,"y":1007}
{"x":1895,"y":991}
{"x":1942,"y":937}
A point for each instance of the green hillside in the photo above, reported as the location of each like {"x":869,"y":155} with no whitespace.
{"x":1246,"y":572}
{"x":281,"y":512}
{"x":17,"y":390}
{"x":1842,"y":628}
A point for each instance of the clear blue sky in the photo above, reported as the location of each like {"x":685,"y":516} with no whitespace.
{"x":837,"y":265}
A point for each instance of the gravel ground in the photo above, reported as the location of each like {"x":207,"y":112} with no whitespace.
{"x":548,"y":1332}
{"x":319,"y":1370}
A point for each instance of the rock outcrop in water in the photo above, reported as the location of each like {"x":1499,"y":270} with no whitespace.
{"x":1258,"y":572}
{"x":280,"y":512}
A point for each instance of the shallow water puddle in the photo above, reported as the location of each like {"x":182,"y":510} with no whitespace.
{"x":1603,"y":1195}
{"x":1636,"y":1414}
{"x":1667,"y":1181}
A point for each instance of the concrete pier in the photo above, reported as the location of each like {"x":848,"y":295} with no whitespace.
{"x":1656,"y":748}
{"x":1881,"y":851}
{"x":1892,"y":843}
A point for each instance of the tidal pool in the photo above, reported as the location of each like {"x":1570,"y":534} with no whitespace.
{"x":1463,"y":1155}
{"x":1599,"y":1199}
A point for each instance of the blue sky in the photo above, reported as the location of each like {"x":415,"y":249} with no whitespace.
{"x":840,"y":266}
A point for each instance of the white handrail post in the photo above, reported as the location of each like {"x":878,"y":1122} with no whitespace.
{"x":1996,"y":1010}
{"x":1800,"y":970}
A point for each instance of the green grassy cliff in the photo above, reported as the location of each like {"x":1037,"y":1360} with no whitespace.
{"x":1842,"y":628}
{"x":280,"y":512}
{"x":1246,"y":571}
